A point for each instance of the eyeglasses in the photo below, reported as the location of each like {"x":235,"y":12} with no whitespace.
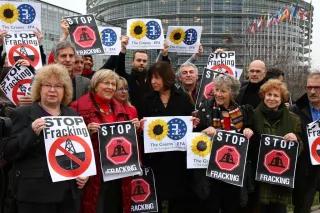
{"x":56,"y":86}
{"x":316,"y":88}
{"x":123,"y":89}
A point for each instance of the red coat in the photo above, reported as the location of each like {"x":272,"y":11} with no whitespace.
{"x":86,"y":108}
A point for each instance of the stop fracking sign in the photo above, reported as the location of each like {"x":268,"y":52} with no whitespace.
{"x":118,"y":150}
{"x":228,"y":157}
{"x":277,"y":160}
{"x":85,"y":35}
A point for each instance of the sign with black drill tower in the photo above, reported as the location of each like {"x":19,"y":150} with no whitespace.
{"x":119,"y":150}
{"x":84,"y":34}
{"x":277,"y":160}
{"x":68,"y":148}
{"x":228,"y":157}
{"x":143,"y":192}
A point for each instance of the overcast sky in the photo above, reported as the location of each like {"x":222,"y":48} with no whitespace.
{"x":80,"y":6}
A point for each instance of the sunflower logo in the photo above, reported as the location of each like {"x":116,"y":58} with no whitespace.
{"x":201,"y":145}
{"x":177,"y":36}
{"x":138,"y":29}
{"x":9,"y":13}
{"x":158,"y":129}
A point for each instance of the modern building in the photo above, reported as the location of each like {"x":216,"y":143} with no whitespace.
{"x":225,"y":23}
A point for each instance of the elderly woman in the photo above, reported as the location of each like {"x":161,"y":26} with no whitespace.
{"x":272,"y":117}
{"x":169,"y":167}
{"x":33,"y":188}
{"x":222,"y":112}
{"x":99,"y":106}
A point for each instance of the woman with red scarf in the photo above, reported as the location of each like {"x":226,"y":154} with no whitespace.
{"x":223,"y":113}
{"x":96,"y":107}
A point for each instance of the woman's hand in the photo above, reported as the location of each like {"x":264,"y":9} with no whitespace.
{"x":142,"y":123}
{"x":211,"y":131}
{"x":38,"y":125}
{"x":64,"y":25}
{"x":247,"y":132}
{"x":39,"y":35}
{"x":93,"y":127}
{"x":81,"y":181}
{"x":23,"y":62}
{"x":290,"y":137}
{"x":136,"y":123}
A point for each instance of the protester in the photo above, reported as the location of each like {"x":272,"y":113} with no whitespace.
{"x":169,"y":168}
{"x":137,"y":79}
{"x":78,"y":65}
{"x":272,"y":117}
{"x":188,"y":80}
{"x":96,"y":107}
{"x":307,"y":176}
{"x":222,"y":112}
{"x":88,"y":65}
{"x":31,"y":182}
{"x":64,"y":53}
{"x":249,"y":91}
{"x":275,"y":73}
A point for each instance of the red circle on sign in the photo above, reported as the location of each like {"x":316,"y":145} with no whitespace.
{"x":227,"y":158}
{"x":83,"y":165}
{"x":119,"y":150}
{"x":140,"y":190}
{"x":277,"y":162}
{"x":84,"y":36}
{"x":314,"y":153}
{"x":208,"y":90}
{"x":224,"y":67}
{"x":15,"y":89}
{"x":34,"y":62}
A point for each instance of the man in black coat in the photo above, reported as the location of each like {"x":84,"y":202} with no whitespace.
{"x":249,"y":91}
{"x":307,"y":175}
{"x":137,"y":78}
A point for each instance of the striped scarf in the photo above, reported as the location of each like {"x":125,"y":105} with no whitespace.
{"x":235,"y":116}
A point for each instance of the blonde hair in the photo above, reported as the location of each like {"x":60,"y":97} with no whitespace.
{"x":277,"y":85}
{"x":125,"y":83}
{"x":102,"y":75}
{"x":46,"y":72}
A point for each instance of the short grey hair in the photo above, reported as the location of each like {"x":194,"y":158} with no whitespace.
{"x":230,"y":82}
{"x":314,"y":72}
{"x":63,"y":45}
{"x":188,"y":64}
{"x":102,"y":75}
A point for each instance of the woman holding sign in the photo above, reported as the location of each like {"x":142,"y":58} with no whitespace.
{"x":32,"y":185}
{"x":171,"y":175}
{"x":223,"y":113}
{"x":273,"y":118}
{"x":97,"y":107}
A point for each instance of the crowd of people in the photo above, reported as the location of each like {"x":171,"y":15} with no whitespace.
{"x":68,"y":86}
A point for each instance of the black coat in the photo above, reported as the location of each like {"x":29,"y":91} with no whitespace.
{"x":31,"y":181}
{"x":170,"y":168}
{"x":249,"y":94}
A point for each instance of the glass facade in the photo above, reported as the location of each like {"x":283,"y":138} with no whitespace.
{"x":224,"y":25}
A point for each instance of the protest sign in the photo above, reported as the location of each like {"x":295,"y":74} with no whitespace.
{"x":224,"y":62}
{"x":163,"y":134}
{"x":184,"y":39}
{"x":145,"y":34}
{"x":228,"y":157}
{"x":84,"y":34}
{"x":111,"y":40}
{"x":118,"y":150}
{"x":277,"y":161}
{"x":68,"y":148}
{"x":20,"y":16}
{"x":17,"y":83}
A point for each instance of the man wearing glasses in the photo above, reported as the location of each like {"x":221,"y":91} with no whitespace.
{"x":307,"y":175}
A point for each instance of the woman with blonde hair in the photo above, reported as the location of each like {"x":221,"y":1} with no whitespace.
{"x":33,"y":189}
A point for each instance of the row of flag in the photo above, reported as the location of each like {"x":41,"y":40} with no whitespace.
{"x":287,"y":13}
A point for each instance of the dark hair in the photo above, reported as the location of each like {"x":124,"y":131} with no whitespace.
{"x":138,"y":51}
{"x":274,"y":73}
{"x":89,"y":56}
{"x":165,"y":71}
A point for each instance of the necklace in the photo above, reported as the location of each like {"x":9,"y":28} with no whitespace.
{"x":46,"y":109}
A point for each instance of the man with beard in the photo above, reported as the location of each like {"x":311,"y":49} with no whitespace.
{"x":137,"y":79}
{"x":307,"y":175}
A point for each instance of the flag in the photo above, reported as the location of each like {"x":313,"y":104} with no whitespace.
{"x":270,"y":21}
{"x":293,"y":12}
{"x":261,"y":23}
{"x":285,"y":16}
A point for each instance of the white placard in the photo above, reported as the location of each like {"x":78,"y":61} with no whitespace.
{"x":184,"y":39}
{"x":111,"y":40}
{"x":145,"y":34}
{"x":224,"y":62}
{"x":164,"y":134}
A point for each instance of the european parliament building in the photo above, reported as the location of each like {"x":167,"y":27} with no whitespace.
{"x":225,"y":24}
